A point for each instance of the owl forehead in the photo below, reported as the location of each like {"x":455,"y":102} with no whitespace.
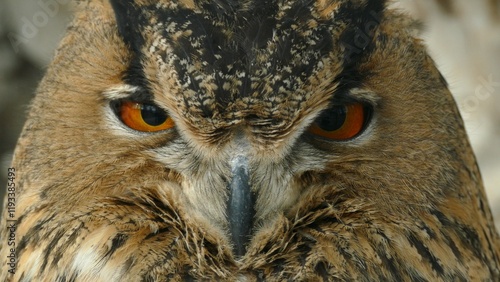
{"x":232,"y":59}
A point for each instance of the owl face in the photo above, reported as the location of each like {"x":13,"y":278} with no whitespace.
{"x":252,"y":102}
{"x":255,"y":104}
{"x":243,"y":111}
{"x":240,"y":115}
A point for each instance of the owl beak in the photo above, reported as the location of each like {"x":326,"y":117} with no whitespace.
{"x":241,"y":209}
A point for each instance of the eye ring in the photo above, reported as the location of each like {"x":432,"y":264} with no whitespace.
{"x":143,"y":117}
{"x":340,"y":122}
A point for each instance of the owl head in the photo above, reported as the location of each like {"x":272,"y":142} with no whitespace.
{"x":238,"y":115}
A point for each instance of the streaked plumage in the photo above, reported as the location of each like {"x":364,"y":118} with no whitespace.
{"x":243,"y":83}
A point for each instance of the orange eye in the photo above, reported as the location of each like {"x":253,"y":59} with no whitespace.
{"x":340,"y":122}
{"x":144,"y":117}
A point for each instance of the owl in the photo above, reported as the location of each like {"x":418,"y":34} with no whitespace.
{"x":252,"y":140}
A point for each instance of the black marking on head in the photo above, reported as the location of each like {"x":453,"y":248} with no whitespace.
{"x":363,"y":21}
{"x":128,"y":16}
{"x":226,"y":38}
{"x":130,"y":20}
{"x":358,"y":40}
{"x":135,"y":76}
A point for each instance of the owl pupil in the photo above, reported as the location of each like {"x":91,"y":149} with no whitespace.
{"x":152,"y":115}
{"x":332,"y":119}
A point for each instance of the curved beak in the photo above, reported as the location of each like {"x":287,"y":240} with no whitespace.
{"x":241,"y":205}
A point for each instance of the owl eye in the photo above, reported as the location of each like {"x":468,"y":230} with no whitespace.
{"x":144,"y":117}
{"x":340,"y":122}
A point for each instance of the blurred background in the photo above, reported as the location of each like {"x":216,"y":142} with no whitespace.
{"x":463,"y":37}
